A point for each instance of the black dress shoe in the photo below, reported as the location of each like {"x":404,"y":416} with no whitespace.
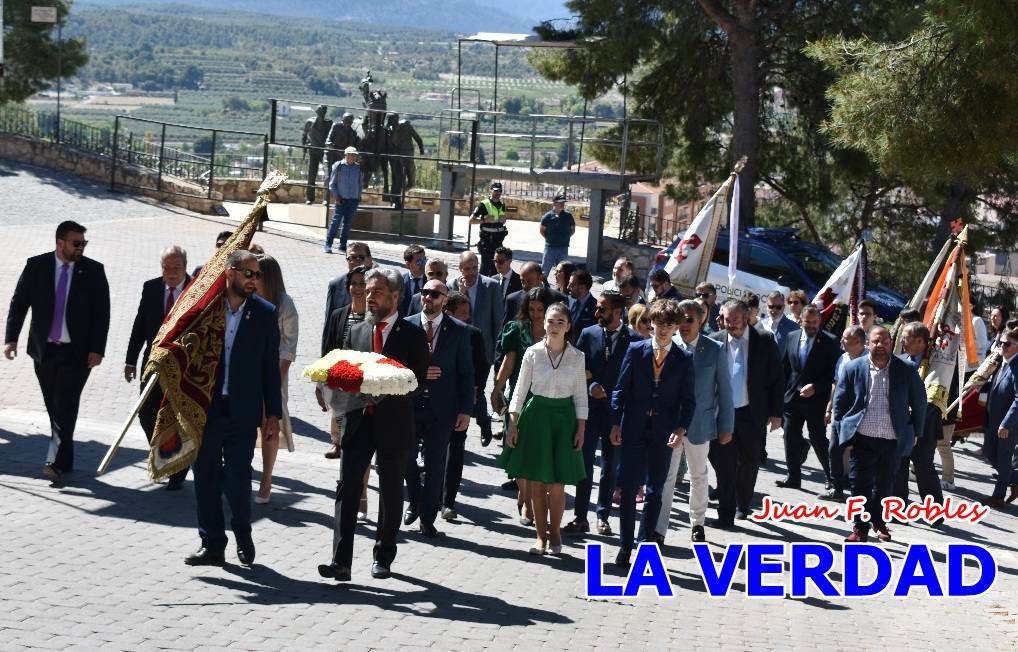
{"x":205,"y":557}
{"x":510,"y":485}
{"x":575,"y":527}
{"x":410,"y":516}
{"x":697,"y":535}
{"x":622,"y":559}
{"x":712,"y":493}
{"x":741,"y":515}
{"x":789,"y":484}
{"x":485,"y":437}
{"x":659,"y":539}
{"x":428,"y":530}
{"x":835,"y":495}
{"x":723,"y":524}
{"x":335,"y":571}
{"x":246,"y":552}
{"x":380,"y":572}
{"x":174,"y":485}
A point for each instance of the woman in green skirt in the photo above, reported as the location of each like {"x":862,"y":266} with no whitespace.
{"x":518,"y":336}
{"x":547,"y":416}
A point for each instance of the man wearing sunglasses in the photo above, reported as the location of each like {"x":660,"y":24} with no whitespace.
{"x":358,"y":254}
{"x":70,"y":301}
{"x":246,"y":387}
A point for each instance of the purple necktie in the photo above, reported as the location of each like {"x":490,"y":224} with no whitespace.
{"x":57,"y":327}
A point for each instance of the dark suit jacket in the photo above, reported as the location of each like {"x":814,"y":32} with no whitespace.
{"x":335,"y":325}
{"x":819,"y":370}
{"x":254,"y":366}
{"x":337,"y":296}
{"x":487,"y":311}
{"x":408,"y":292}
{"x":511,"y":284}
{"x":87,"y":310}
{"x":1002,"y":402}
{"x":453,"y":393}
{"x":672,"y":398}
{"x":604,"y":370}
{"x":515,"y":300}
{"x":765,"y":380}
{"x":394,"y":428}
{"x":481,"y":366}
{"x":906,"y":400}
{"x":148,"y":320}
{"x":582,"y":314}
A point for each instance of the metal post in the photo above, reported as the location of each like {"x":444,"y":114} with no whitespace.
{"x":569,"y":146}
{"x":533,"y":141}
{"x":212,"y":163}
{"x":622,"y":157}
{"x":265,"y":157}
{"x":130,"y":148}
{"x":459,"y":74}
{"x":60,"y":71}
{"x":494,"y":115}
{"x":273,"y":103}
{"x":162,"y":149}
{"x":113,"y":159}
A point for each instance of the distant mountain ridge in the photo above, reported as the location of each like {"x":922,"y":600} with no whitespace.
{"x":464,"y":16}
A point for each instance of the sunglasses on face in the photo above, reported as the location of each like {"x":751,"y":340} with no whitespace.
{"x":248,"y":273}
{"x":1005,"y":344}
{"x":219,"y":244}
{"x":704,"y":295}
{"x":353,"y":257}
{"x":432,"y":294}
{"x":77,"y":244}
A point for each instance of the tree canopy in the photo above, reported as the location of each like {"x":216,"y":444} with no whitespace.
{"x":33,"y":56}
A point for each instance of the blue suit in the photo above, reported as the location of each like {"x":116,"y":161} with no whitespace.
{"x":409,"y":290}
{"x":648,"y":412}
{"x":223,"y":465}
{"x":604,"y":368}
{"x":712,"y":391}
{"x":875,"y":460}
{"x":1002,"y":412}
{"x":582,"y":314}
{"x":437,"y":407}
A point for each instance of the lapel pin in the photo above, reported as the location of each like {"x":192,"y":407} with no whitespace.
{"x":247,"y":315}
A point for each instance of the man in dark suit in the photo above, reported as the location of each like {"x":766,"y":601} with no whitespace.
{"x":530,"y":277}
{"x":247,"y":387}
{"x":916,"y":341}
{"x":414,"y":257}
{"x":604,"y":345}
{"x":880,"y":407}
{"x":157,"y":298}
{"x":386,"y":428}
{"x":809,"y":362}
{"x":757,"y":392}
{"x":652,"y":406}
{"x":661,"y":283}
{"x":358,"y":254}
{"x":434,"y":269}
{"x":1000,"y":432}
{"x":506,"y":277}
{"x":70,"y":302}
{"x":581,"y":301}
{"x":444,"y":405}
{"x":457,"y":305}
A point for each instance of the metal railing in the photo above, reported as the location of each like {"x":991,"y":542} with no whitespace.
{"x":42,"y":125}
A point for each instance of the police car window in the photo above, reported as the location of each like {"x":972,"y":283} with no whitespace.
{"x":766,"y":263}
{"x":721,"y":252}
{"x":818,"y":263}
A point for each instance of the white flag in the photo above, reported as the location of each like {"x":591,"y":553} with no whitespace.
{"x":837,"y":291}
{"x":733,"y":235}
{"x":691,"y":258}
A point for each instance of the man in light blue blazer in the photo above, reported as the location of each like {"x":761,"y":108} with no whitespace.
{"x":880,"y":406}
{"x":714,"y":418}
{"x":486,"y":308}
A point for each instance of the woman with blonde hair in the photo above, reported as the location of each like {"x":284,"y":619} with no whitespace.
{"x":638,"y":320}
{"x":271,"y":288}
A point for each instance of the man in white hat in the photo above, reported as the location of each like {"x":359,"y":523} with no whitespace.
{"x":345,"y":186}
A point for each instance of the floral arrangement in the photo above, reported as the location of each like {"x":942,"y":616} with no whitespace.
{"x":358,"y":372}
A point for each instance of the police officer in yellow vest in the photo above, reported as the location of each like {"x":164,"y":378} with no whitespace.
{"x":491,"y":215}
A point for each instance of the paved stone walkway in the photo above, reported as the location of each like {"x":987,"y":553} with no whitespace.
{"x":97,"y":563}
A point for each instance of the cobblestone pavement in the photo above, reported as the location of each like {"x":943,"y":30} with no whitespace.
{"x":98,"y":563}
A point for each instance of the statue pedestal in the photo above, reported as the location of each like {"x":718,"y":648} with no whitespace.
{"x":385,"y":219}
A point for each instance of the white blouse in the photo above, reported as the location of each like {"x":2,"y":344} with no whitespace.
{"x":537,"y":376}
{"x":287,"y":328}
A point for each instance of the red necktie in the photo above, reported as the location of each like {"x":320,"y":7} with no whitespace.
{"x":169,"y":302}
{"x":376,"y":346}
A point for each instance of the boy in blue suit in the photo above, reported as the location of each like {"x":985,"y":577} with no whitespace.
{"x":652,"y":406}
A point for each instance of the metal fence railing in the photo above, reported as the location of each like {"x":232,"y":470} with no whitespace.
{"x":41,"y":125}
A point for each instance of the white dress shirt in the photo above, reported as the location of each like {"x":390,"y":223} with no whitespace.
{"x":738,"y":362}
{"x":538,"y":376}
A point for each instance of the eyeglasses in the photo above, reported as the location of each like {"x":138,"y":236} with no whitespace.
{"x":1006,"y":344}
{"x":77,"y":244}
{"x":775,"y":307}
{"x":353,"y":257}
{"x":704,"y":295}
{"x":248,"y":273}
{"x":220,"y":244}
{"x":432,"y":294}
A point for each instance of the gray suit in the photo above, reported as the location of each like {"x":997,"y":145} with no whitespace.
{"x":486,"y":311}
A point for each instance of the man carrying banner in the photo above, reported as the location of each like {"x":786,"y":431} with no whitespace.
{"x":247,"y":379}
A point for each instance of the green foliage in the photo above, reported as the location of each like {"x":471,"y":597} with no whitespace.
{"x":520,"y":105}
{"x":33,"y":55}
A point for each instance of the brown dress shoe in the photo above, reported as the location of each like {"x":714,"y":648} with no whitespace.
{"x":333,"y":453}
{"x":1014,"y":493}
{"x":995,"y":503}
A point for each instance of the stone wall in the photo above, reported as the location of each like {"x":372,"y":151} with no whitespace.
{"x":91,"y":166}
{"x":642,"y":255}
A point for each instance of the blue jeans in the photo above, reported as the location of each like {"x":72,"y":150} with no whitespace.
{"x":552,"y":256}
{"x":343,"y":216}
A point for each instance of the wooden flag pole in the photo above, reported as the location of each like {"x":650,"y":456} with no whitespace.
{"x":153,"y":380}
